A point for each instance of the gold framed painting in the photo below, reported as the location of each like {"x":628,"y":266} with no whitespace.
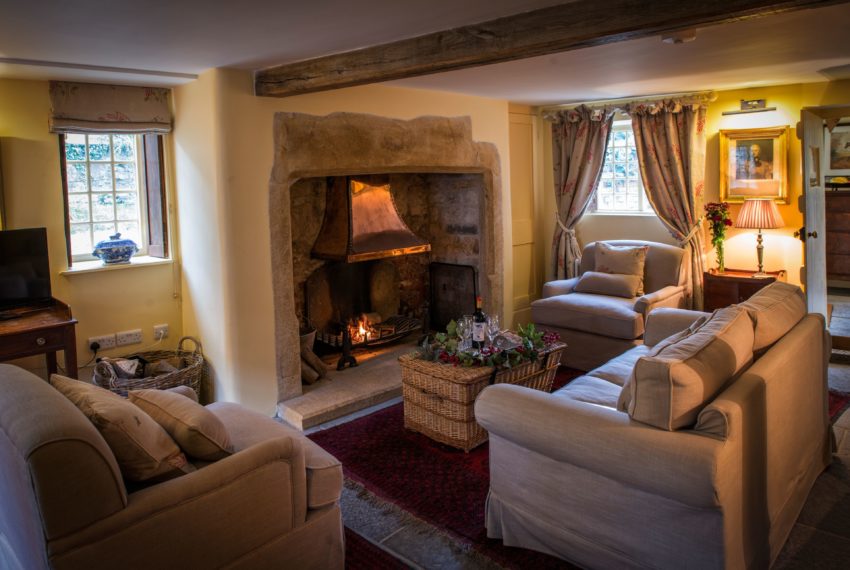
{"x":837,"y":145}
{"x":754,"y":164}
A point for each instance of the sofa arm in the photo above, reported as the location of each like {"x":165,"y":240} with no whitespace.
{"x":189,"y":521}
{"x":560,"y":287}
{"x":670,"y":296}
{"x":678,"y":465}
{"x":664,"y":322}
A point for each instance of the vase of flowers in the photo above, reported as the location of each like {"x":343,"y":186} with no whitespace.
{"x":717,"y":214}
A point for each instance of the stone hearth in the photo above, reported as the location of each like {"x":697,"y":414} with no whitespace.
{"x":434,"y":153}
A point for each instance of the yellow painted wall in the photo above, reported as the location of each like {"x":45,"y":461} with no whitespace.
{"x":244,"y":353}
{"x":782,"y":250}
{"x":103,"y":302}
{"x":525,"y":199}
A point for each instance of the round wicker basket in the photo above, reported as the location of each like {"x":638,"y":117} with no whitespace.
{"x":189,"y":373}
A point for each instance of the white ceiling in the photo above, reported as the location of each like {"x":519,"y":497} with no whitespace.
{"x":167,"y":43}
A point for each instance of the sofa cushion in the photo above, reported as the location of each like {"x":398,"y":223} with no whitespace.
{"x":618,"y":370}
{"x":614,"y":284}
{"x":591,"y":390}
{"x":626,"y":260}
{"x":598,"y":314}
{"x":774,"y":310}
{"x":195,"y":429}
{"x":246,"y":428}
{"x":670,"y":386}
{"x":144,"y":451}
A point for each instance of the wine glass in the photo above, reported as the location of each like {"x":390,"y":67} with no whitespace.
{"x":461,"y":333}
{"x":492,"y":328}
{"x":467,"y":331}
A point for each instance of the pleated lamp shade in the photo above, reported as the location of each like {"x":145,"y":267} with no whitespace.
{"x":759,"y":214}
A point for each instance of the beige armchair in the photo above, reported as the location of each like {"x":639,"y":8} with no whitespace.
{"x":597,"y":327}
{"x":63,"y":504}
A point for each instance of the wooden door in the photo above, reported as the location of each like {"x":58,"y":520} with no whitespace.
{"x":811,"y":129}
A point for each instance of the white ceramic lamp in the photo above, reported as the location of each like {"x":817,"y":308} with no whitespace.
{"x":759,"y":214}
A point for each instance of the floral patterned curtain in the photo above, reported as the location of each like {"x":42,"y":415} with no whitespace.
{"x":579,"y":139}
{"x":670,"y":141}
{"x":93,"y":107}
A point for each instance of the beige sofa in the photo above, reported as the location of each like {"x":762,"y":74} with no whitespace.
{"x":573,"y":476}
{"x":274,"y":503}
{"x":597,"y":327}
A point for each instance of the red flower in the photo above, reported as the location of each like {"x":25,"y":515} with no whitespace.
{"x":728,"y":222}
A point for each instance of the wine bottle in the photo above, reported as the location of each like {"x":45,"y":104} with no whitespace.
{"x":479,"y":326}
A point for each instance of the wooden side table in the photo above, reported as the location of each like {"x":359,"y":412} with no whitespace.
{"x":29,"y":331}
{"x":734,"y":286}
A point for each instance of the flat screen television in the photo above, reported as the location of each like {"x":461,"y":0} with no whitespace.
{"x":24,"y":268}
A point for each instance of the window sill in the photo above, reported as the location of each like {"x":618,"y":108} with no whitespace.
{"x":627,"y":214}
{"x":97,"y":265}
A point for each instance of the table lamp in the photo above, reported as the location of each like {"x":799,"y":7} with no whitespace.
{"x":759,"y":213}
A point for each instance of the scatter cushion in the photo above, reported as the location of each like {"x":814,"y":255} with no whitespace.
{"x":616,"y":284}
{"x":196,"y":430}
{"x":624,"y":401}
{"x":669,"y":387}
{"x":775,"y":310}
{"x":143,"y":450}
{"x":184,"y":391}
{"x":626,"y":260}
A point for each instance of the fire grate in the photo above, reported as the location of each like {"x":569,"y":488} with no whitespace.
{"x":389,"y":330}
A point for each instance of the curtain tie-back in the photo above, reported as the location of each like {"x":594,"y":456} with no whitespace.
{"x":694,"y":229}
{"x":564,"y":228}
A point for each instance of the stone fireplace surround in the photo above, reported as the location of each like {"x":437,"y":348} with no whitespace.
{"x":339,"y":144}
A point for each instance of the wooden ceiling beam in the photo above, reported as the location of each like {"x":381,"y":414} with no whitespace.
{"x":579,"y":24}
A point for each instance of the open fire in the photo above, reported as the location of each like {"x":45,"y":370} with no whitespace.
{"x":370,"y":328}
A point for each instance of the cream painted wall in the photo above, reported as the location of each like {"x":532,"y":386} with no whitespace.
{"x":198,"y":174}
{"x":233,"y":202}
{"x":103,"y":302}
{"x":782,"y":250}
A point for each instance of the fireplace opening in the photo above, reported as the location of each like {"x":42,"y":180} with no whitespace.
{"x":354,"y":305}
{"x":363,"y":251}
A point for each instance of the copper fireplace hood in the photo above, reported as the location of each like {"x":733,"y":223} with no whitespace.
{"x":362,"y":223}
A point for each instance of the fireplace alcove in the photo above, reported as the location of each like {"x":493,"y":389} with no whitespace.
{"x":430,"y":161}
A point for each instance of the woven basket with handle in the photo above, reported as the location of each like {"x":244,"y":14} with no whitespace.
{"x":189,"y":373}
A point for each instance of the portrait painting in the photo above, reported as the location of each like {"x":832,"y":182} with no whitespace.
{"x":753,"y":164}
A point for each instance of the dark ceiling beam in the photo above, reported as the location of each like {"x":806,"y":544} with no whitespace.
{"x":580,"y":24}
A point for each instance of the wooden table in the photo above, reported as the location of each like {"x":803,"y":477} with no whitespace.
{"x":30,"y":331}
{"x":734,"y":286}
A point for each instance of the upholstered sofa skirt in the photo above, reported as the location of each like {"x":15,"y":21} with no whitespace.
{"x":623,"y":533}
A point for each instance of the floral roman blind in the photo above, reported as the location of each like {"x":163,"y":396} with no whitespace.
{"x":95,"y":108}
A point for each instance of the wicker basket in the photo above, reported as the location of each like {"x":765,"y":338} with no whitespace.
{"x":190,"y":374}
{"x":538,"y":375}
{"x":439,"y":399}
{"x":463,"y":435}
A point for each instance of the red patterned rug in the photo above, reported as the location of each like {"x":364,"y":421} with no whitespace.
{"x":441,"y":485}
{"x":838,"y":402}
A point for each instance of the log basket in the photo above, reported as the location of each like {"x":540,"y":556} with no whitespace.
{"x":189,"y":374}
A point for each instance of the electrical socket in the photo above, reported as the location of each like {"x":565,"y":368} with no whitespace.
{"x":160,"y":332}
{"x":105,"y":341}
{"x":128,"y":337}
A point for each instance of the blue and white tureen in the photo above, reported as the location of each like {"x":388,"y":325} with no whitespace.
{"x":115,"y":250}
